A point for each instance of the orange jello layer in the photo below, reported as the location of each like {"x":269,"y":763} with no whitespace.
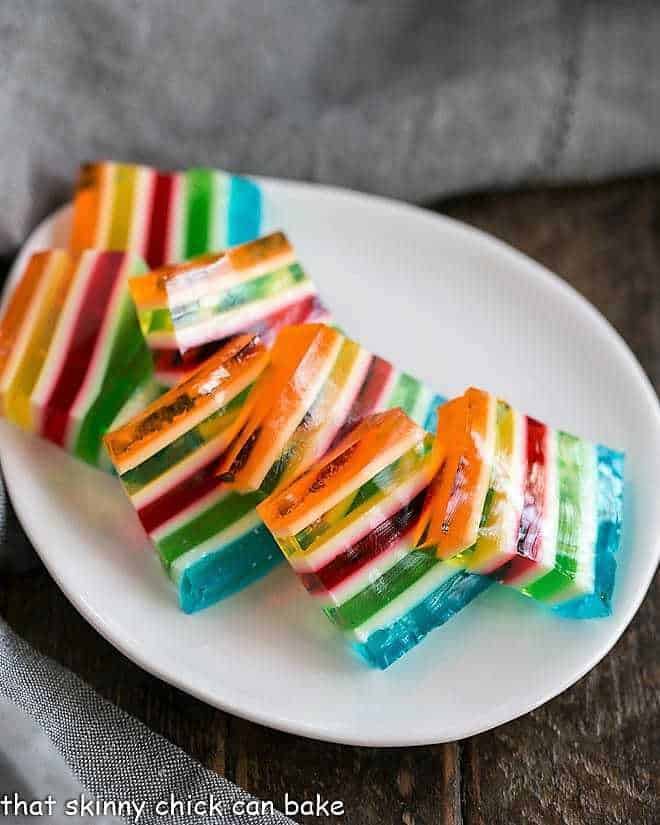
{"x":300,"y":362}
{"x":374,"y":443}
{"x":150,"y":291}
{"x":465,"y":444}
{"x":224,"y":375}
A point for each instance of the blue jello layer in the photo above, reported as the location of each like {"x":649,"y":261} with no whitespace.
{"x":228,"y":570}
{"x":244,"y":213}
{"x":388,"y":644}
{"x":610,"y":516}
{"x":430,"y":424}
{"x":233,"y":567}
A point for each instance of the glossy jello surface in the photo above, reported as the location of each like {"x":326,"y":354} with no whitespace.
{"x":209,"y":537}
{"x":349,"y":528}
{"x":164,"y":216}
{"x":202,"y":404}
{"x":549,"y":515}
{"x":250,"y":421}
{"x":72,"y":356}
{"x":187,"y":311}
{"x":467,"y":433}
{"x":318,"y":385}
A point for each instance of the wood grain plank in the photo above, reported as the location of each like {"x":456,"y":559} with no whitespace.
{"x":592,"y":754}
{"x":413,"y":786}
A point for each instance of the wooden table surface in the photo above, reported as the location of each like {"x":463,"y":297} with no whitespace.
{"x":592,"y":755}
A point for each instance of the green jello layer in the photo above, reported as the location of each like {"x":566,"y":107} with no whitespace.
{"x":129,"y":365}
{"x":265,"y":286}
{"x":183,"y":447}
{"x":207,"y":524}
{"x":571,"y":458}
{"x":199,"y":211}
{"x":156,"y":320}
{"x":360,"y":500}
{"x":405,"y":394}
{"x":381,"y":592}
{"x":277,"y":468}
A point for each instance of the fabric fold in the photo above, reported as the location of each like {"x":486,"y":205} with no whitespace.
{"x":96,"y":749}
{"x":414,"y":100}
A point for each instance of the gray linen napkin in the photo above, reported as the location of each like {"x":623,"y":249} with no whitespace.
{"x":416,"y":99}
{"x":59,"y":737}
{"x":29,"y":791}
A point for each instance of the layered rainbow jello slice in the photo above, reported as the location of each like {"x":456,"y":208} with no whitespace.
{"x":348,"y":527}
{"x":72,"y":356}
{"x":539,"y":509}
{"x":187,"y":311}
{"x":197,"y":499}
{"x":165,"y":217}
{"x":209,"y":537}
{"x":318,"y":385}
{"x":151,"y":302}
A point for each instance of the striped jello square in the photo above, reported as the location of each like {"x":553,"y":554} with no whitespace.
{"x":348,"y":527}
{"x":196,"y":496}
{"x":72,"y":357}
{"x":209,"y":537}
{"x":537,"y":508}
{"x":187,"y":311}
{"x":317,"y":386}
{"x":166,"y":217}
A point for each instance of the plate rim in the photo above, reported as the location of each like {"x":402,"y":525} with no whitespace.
{"x":302,"y":728}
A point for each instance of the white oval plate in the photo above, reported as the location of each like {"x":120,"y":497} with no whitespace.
{"x":455,"y":307}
